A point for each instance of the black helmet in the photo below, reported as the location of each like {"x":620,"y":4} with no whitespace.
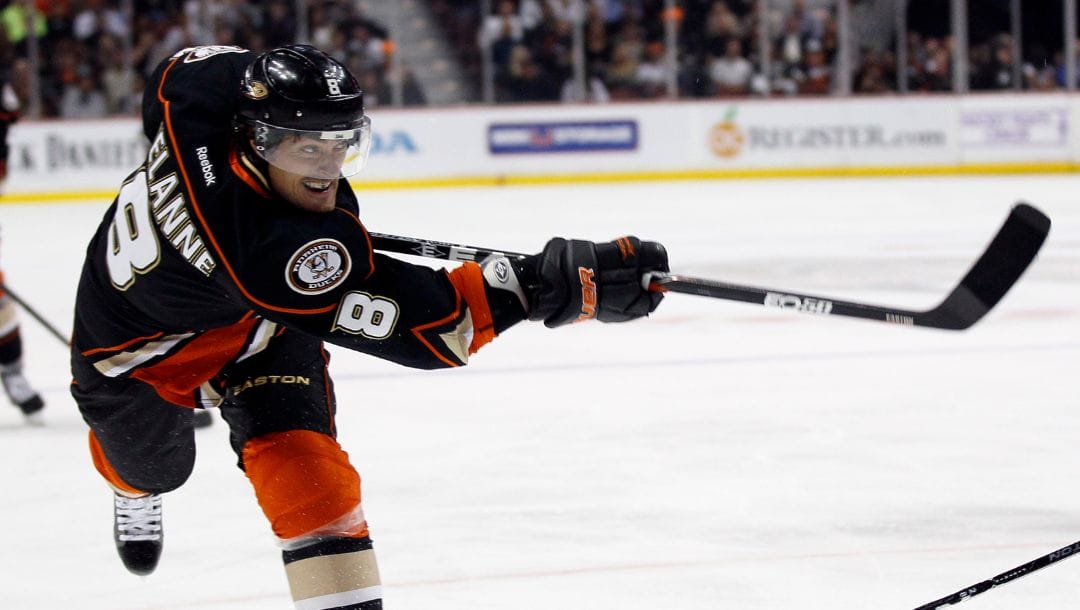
{"x":299,"y":90}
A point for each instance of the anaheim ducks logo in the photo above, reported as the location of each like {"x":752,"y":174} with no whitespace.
{"x":256,"y":90}
{"x":318,"y":267}
{"x":726,"y":138}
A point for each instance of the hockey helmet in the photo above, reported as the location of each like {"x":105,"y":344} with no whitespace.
{"x":303,"y":112}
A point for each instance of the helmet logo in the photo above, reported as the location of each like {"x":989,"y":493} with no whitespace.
{"x":332,"y":84}
{"x":256,"y":90}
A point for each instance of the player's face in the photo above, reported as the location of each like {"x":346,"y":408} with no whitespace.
{"x":305,"y":171}
{"x":306,"y":193}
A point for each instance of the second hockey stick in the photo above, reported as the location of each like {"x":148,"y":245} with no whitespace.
{"x":1010,"y":252}
{"x":1000,"y":579}
{"x":34,"y":314}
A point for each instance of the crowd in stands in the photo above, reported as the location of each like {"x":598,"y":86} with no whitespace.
{"x":94,"y":59}
{"x":719,"y":52}
{"x":86,"y":47}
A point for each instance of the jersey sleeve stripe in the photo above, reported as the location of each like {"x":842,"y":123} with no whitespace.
{"x":468,"y":279}
{"x":418,"y":331}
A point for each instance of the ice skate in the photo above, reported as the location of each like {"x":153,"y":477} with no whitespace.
{"x":19,"y":391}
{"x":138,"y":532}
{"x":203,"y":418}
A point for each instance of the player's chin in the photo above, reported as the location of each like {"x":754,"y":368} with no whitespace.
{"x":318,"y":195}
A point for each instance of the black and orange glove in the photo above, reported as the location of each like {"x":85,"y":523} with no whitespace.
{"x":580,"y":280}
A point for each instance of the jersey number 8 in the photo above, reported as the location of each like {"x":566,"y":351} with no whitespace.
{"x":133,"y":246}
{"x":362,"y":314}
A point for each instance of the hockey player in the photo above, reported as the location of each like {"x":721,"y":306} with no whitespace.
{"x":229,"y":258}
{"x":9,"y":113}
{"x":18,"y":390}
{"x":16,"y":387}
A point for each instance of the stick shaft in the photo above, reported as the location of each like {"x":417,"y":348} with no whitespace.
{"x":1000,"y":265}
{"x":34,"y":314}
{"x":1009,"y":576}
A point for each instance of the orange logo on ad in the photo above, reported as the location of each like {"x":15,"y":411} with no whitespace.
{"x":726,"y":139}
{"x":588,"y":294}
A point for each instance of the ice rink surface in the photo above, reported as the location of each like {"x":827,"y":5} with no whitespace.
{"x":715,"y":456}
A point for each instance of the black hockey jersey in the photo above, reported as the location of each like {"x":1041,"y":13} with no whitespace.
{"x":198,"y":262}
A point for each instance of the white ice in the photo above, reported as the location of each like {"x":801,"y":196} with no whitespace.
{"x":717,"y":455}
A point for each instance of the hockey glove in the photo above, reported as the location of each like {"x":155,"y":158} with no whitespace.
{"x":580,"y":280}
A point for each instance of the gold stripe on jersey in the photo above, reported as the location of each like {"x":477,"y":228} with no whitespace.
{"x":260,"y":339}
{"x":126,"y":361}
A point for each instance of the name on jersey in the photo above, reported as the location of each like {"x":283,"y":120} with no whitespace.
{"x":170,"y":209}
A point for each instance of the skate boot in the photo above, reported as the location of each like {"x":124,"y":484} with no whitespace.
{"x":19,"y":391}
{"x":138,"y":532}
{"x":203,"y":418}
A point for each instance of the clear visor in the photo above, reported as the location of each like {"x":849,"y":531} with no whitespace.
{"x":315,"y":154}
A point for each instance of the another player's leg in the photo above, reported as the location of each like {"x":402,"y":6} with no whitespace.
{"x":143,"y":447}
{"x":18,"y":390}
{"x":310,"y":493}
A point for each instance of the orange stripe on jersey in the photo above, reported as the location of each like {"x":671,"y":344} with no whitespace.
{"x":468,"y":279}
{"x":418,"y":331}
{"x":303,"y":481}
{"x":367,"y":238}
{"x":242,"y":172}
{"x":124,"y":345}
{"x":101,"y":463}
{"x":176,"y":378}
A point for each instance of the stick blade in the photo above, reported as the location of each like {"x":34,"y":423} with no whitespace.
{"x":1006,"y":258}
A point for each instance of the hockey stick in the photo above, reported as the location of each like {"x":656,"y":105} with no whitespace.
{"x":997,"y":269}
{"x":34,"y":314}
{"x":1000,"y":579}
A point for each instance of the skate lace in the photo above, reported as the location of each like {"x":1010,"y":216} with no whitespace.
{"x":138,"y":518}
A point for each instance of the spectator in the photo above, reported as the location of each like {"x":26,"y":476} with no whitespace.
{"x":595,"y":89}
{"x":652,"y":73}
{"x":730,"y":74}
{"x":96,"y":20}
{"x":526,"y":82}
{"x":816,"y":76}
{"x":721,"y":26}
{"x":368,"y":49}
{"x":997,"y":71}
{"x":1038,"y":72}
{"x":597,"y":47}
{"x":14,"y":18}
{"x":279,"y":25}
{"x":116,"y":80}
{"x":501,"y":32}
{"x":82,"y":99}
{"x":873,"y":75}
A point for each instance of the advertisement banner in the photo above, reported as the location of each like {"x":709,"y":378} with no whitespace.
{"x":1015,"y":128}
{"x":73,"y":155}
{"x":625,"y":141}
{"x":827,"y":134}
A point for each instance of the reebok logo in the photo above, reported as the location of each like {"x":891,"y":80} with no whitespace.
{"x":206,"y":166}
